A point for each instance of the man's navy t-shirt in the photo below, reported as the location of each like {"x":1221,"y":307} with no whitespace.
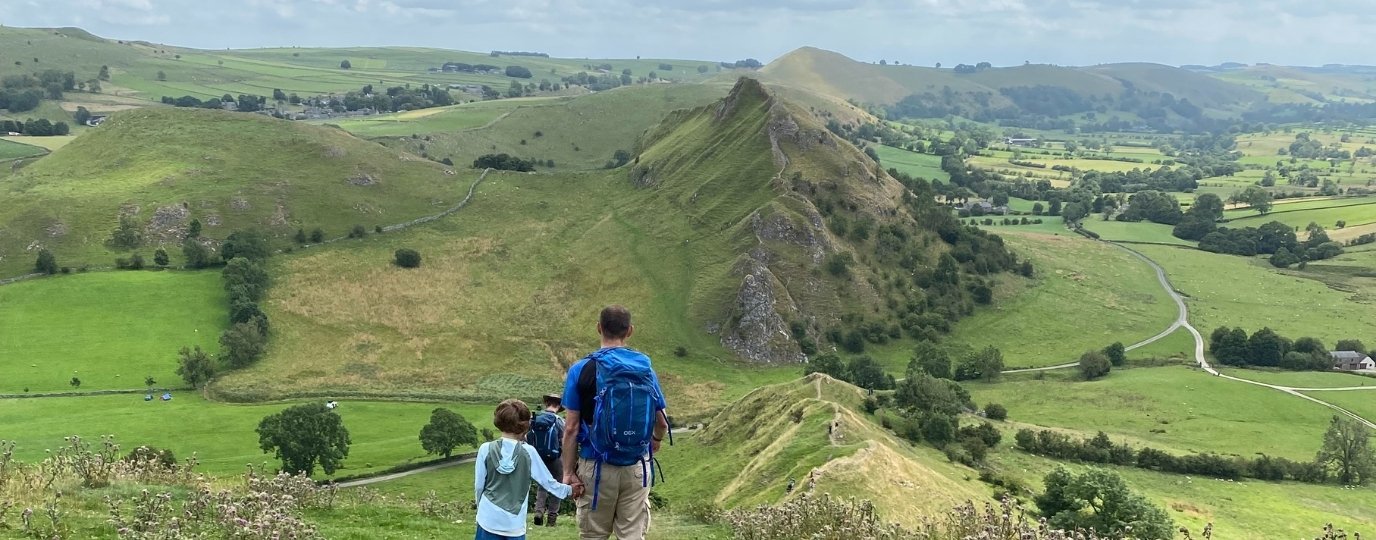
{"x":573,"y":399}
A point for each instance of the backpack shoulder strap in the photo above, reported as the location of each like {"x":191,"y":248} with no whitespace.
{"x":587,"y":387}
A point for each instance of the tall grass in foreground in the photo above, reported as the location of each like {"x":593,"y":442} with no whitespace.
{"x":828,"y":518}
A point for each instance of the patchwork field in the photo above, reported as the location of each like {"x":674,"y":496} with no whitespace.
{"x":912,"y":163}
{"x":1141,"y":232}
{"x":1354,"y":211}
{"x":109,"y":329}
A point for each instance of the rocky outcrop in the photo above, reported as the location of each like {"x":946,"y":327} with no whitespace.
{"x":757,"y":332}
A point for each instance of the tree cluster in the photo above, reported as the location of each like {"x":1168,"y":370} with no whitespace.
{"x":861,"y":371}
{"x":41,"y":127}
{"x":305,"y":436}
{"x":1100,"y":449}
{"x":1100,"y":501}
{"x":21,"y":93}
{"x":1273,"y":238}
{"x":503,"y":162}
{"x":1266,"y":348}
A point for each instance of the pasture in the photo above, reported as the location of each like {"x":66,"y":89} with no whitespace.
{"x":911,"y":163}
{"x":1085,"y":296}
{"x":426,"y":121}
{"x":1247,"y":292}
{"x":1174,"y":408}
{"x":27,"y":143}
{"x":1355,"y":212}
{"x":220,"y":435}
{"x":1360,"y":402}
{"x":1303,"y":379}
{"x":109,"y":329}
{"x":1140,"y":232}
{"x":11,"y":150}
{"x":1050,"y":225}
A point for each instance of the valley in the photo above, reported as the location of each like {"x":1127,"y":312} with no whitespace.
{"x":837,"y":266}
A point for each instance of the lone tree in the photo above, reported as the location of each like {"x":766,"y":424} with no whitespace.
{"x":195,"y":367}
{"x":1346,"y":451}
{"x":197,"y":256}
{"x":46,"y":264}
{"x":407,"y":258}
{"x":447,"y":431}
{"x":305,"y":436}
{"x":1093,"y":365}
{"x":1101,"y":501}
{"x":345,"y":65}
{"x":160,"y":257}
{"x":75,"y":382}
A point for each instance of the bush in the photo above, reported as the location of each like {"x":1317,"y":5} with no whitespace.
{"x":46,"y":264}
{"x":407,"y":258}
{"x":995,"y":411}
{"x":317,"y":236}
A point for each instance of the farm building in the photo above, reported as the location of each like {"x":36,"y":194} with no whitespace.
{"x":1019,"y":142}
{"x":1352,"y":361}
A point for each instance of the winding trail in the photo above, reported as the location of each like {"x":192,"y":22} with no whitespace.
{"x":464,"y":459}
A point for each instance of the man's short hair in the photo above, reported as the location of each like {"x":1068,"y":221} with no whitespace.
{"x":552,"y":400}
{"x":615,"y":321}
{"x":512,"y":416}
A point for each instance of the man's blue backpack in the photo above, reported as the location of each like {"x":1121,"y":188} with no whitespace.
{"x":546,"y":435}
{"x":625,"y":404}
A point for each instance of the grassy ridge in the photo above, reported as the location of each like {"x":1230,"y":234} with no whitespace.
{"x":110,"y":329}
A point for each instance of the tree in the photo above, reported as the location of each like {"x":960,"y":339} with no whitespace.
{"x":829,"y":364}
{"x":1116,"y":353}
{"x":75,"y":382}
{"x":515,"y":90}
{"x":304,"y":436}
{"x":1350,"y":345}
{"x":1101,"y":501}
{"x":994,"y":411}
{"x":249,"y":244}
{"x":985,"y":364}
{"x":82,"y":115}
{"x":1037,"y":209}
{"x":1232,"y":347}
{"x":128,"y":234}
{"x":346,"y":65}
{"x":518,"y":72}
{"x":447,"y":431}
{"x":1284,"y":259}
{"x":193,"y":230}
{"x":245,"y":279}
{"x":938,"y":429}
{"x":358,"y":231}
{"x":1347,"y":452}
{"x":317,"y":236}
{"x":407,"y":258}
{"x":160,"y":258}
{"x":1094,"y":364}
{"x":104,"y":73}
{"x":300,"y":236}
{"x":1256,"y":198}
{"x":1266,"y":348}
{"x":866,"y":373}
{"x":195,"y":367}
{"x":930,"y":359}
{"x":242,"y":343}
{"x":46,"y":263}
{"x":162,"y":76}
{"x":197,"y":256}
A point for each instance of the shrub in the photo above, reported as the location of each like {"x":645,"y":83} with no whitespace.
{"x":995,"y":411}
{"x":358,"y":232}
{"x":46,"y":263}
{"x":407,"y":258}
{"x":317,"y":236}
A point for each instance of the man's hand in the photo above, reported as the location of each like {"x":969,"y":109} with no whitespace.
{"x":577,"y":483}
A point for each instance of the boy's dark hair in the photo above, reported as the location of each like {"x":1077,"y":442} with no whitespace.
{"x":552,"y":400}
{"x":512,"y":416}
{"x":615,"y":321}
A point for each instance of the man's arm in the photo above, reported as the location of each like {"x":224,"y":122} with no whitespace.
{"x":661,"y":429}
{"x":569,"y":455}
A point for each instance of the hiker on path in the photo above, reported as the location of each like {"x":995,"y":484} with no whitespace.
{"x":547,"y":437}
{"x":504,"y":469}
{"x":616,"y":422}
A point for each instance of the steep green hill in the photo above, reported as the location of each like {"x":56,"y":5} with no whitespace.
{"x":167,"y":166}
{"x":716,"y":235}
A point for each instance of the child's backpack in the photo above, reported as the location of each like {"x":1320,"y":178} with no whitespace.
{"x":625,"y":405}
{"x":546,"y":435}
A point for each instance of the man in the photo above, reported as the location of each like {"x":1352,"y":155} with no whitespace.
{"x":546,"y":436}
{"x":608,"y":458}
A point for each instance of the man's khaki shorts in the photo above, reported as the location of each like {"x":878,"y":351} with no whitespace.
{"x":623,"y":502}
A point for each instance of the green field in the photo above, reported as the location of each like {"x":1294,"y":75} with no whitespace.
{"x":1189,"y":410}
{"x":437,"y":120}
{"x":10,"y":150}
{"x":1361,"y":402}
{"x":1123,"y":231}
{"x":912,"y":163}
{"x":576,"y":133}
{"x":225,"y":169}
{"x":1086,"y":295}
{"x":26,"y":144}
{"x":1303,"y":379}
{"x":220,"y":435}
{"x":109,"y":329}
{"x":1354,"y":211}
{"x":1237,"y":291}
{"x":1050,"y":225}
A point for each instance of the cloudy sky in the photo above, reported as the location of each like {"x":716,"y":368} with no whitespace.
{"x":1068,"y":32}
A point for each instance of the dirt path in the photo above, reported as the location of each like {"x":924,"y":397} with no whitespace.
{"x":373,"y":480}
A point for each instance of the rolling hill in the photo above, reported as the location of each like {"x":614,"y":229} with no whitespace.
{"x":166,"y":166}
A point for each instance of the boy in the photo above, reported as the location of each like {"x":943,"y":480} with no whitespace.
{"x":547,"y":436}
{"x":503,"y":471}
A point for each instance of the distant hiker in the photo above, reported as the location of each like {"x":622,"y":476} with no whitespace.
{"x":616,"y":422}
{"x":547,"y":437}
{"x":504,"y":470}
{"x":789,"y":489}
